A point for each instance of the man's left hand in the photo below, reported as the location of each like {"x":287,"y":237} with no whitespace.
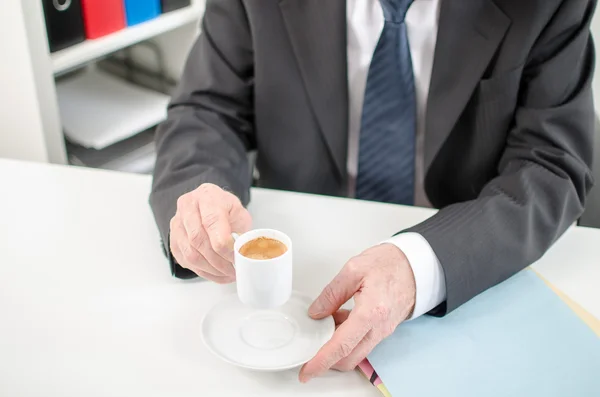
{"x":383,"y":286}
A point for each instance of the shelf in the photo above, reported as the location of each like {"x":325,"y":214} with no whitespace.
{"x":136,"y":154}
{"x":90,"y":50}
{"x":98,"y":110}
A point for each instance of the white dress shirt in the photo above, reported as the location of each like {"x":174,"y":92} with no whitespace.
{"x":365,"y":24}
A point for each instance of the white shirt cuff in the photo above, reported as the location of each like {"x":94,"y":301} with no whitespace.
{"x":428,"y":272}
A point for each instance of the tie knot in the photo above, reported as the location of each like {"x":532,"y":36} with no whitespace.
{"x":395,"y":10}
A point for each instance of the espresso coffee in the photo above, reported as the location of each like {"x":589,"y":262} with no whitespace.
{"x":263,"y":248}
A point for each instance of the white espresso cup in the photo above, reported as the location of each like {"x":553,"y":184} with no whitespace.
{"x":263,"y":283}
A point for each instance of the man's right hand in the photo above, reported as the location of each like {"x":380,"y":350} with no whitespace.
{"x":200,"y":237}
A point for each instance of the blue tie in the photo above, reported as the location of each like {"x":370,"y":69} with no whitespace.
{"x":386,"y":159}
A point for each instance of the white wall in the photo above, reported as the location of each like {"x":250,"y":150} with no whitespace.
{"x":29,"y":122}
{"x":175,"y":46}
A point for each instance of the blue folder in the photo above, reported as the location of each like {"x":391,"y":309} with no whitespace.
{"x":517,"y":339}
{"x":138,"y":11}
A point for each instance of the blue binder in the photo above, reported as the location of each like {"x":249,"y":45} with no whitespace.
{"x":516,"y":339}
{"x":138,"y":11}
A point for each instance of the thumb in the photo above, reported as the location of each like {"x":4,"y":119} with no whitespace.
{"x":216,"y":223}
{"x":222,"y":216}
{"x":335,"y":294}
{"x":240,"y":219}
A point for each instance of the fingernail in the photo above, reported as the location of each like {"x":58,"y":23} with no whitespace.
{"x":316,"y":308}
{"x":305,"y":378}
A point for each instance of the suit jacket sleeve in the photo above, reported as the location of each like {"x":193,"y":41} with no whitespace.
{"x":209,"y":126}
{"x":543,"y":175}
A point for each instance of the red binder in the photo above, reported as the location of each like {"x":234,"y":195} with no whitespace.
{"x":102,"y":17}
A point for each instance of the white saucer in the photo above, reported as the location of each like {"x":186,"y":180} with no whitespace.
{"x":265,"y":340}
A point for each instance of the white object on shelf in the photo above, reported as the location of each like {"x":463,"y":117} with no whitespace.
{"x":98,"y":110}
{"x":136,"y":154}
{"x":141,"y":161}
{"x":89,"y":50}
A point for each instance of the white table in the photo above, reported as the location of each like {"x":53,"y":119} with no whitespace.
{"x":88,"y":306}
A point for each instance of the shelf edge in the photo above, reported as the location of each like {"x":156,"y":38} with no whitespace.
{"x":89,"y":50}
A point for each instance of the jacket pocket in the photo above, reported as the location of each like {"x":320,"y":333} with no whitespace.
{"x":499,"y":87}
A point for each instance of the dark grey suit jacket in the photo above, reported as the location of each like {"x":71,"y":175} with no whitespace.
{"x":509,"y":125}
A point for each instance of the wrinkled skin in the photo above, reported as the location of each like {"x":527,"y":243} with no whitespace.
{"x":383,"y":286}
{"x":380,"y":279}
{"x":200,"y":237}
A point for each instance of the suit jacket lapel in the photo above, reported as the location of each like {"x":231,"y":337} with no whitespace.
{"x":469,"y":34}
{"x":317,"y":32}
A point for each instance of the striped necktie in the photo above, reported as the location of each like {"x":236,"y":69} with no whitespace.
{"x":386,"y":159}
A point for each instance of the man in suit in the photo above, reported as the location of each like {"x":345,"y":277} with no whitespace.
{"x":481,"y":108}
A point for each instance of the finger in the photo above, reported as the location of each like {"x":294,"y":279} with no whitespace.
{"x":343,"y":342}
{"x":217,"y":262}
{"x":200,"y":241}
{"x":190,"y":258}
{"x":175,"y":251}
{"x":217,"y":279}
{"x":215,"y":221}
{"x":192,"y":222}
{"x":360,"y":352}
{"x":213,"y":278}
{"x":175,"y":234}
{"x":240,"y":221}
{"x":186,"y":255}
{"x":239,"y":217}
{"x":340,"y":316}
{"x":336,"y":293}
{"x":193,"y":259}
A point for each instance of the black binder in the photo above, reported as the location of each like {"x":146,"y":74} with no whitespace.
{"x":64,"y":23}
{"x":170,"y":5}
